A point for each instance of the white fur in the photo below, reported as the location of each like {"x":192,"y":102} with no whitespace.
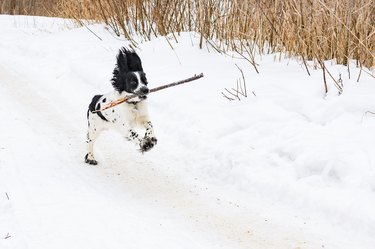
{"x":122,"y":118}
{"x":138,"y":75}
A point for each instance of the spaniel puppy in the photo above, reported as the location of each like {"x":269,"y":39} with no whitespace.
{"x":128,"y":78}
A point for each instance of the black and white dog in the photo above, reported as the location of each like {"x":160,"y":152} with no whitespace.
{"x":128,"y":78}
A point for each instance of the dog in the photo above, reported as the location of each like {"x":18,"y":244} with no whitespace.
{"x":128,"y":79}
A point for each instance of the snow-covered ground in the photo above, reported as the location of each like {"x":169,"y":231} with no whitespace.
{"x":287,"y":168}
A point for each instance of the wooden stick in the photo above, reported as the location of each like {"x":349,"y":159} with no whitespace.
{"x":124,"y":99}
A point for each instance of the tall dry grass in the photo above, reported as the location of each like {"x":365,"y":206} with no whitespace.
{"x":28,"y":7}
{"x":312,"y":29}
{"x":316,"y":30}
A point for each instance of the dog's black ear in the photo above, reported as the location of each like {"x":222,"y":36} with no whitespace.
{"x":127,"y":61}
{"x":122,"y":63}
{"x":133,"y":62}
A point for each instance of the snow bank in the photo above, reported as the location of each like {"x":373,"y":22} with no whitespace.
{"x":290,"y":156}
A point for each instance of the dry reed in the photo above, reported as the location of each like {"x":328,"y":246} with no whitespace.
{"x":28,"y":7}
{"x":316,"y":30}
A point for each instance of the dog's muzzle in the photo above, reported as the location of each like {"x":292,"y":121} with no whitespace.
{"x":142,"y":93}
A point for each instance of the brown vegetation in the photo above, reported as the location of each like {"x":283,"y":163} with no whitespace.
{"x":311,"y":29}
{"x":28,"y":7}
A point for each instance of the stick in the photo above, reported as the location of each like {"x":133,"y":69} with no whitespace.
{"x":124,"y":99}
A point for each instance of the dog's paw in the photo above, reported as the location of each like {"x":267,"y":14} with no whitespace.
{"x":91,"y":161}
{"x":147,"y":143}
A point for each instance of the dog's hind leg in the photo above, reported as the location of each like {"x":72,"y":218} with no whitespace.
{"x":91,"y":137}
{"x":92,"y":134}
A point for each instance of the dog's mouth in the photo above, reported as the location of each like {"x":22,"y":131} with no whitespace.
{"x":137,"y":99}
{"x":140,"y":96}
{"x":142,"y":93}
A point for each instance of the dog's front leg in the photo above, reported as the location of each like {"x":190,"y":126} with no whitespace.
{"x":133,"y":136}
{"x":143,"y":143}
{"x":149,"y":140}
{"x":149,"y":130}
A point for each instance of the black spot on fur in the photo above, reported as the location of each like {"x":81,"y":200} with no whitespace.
{"x":133,"y":134}
{"x":148,"y":143}
{"x":94,"y":107}
{"x":101,"y":116}
{"x":89,"y":161}
{"x":104,"y":100}
{"x":93,"y":102}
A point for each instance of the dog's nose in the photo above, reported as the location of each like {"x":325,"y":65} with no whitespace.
{"x":144,"y":90}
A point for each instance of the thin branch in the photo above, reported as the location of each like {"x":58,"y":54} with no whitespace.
{"x":230,"y":99}
{"x":240,"y":89}
{"x":324,"y":76}
{"x":304,"y":62}
{"x":365,"y":114}
{"x":360,"y":72}
{"x":373,"y":113}
{"x":82,"y":22}
{"x":124,"y":99}
{"x":243,"y":78}
{"x":235,"y":95}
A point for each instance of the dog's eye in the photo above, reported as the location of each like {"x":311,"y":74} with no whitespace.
{"x":133,"y":83}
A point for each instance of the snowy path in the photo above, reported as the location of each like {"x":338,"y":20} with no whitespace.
{"x":70,"y":204}
{"x":223,"y":175}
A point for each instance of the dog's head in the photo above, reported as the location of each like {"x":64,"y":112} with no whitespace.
{"x":128,"y":75}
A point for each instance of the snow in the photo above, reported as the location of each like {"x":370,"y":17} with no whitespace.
{"x":287,"y":168}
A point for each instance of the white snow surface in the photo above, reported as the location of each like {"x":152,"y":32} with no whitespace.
{"x":287,"y":168}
